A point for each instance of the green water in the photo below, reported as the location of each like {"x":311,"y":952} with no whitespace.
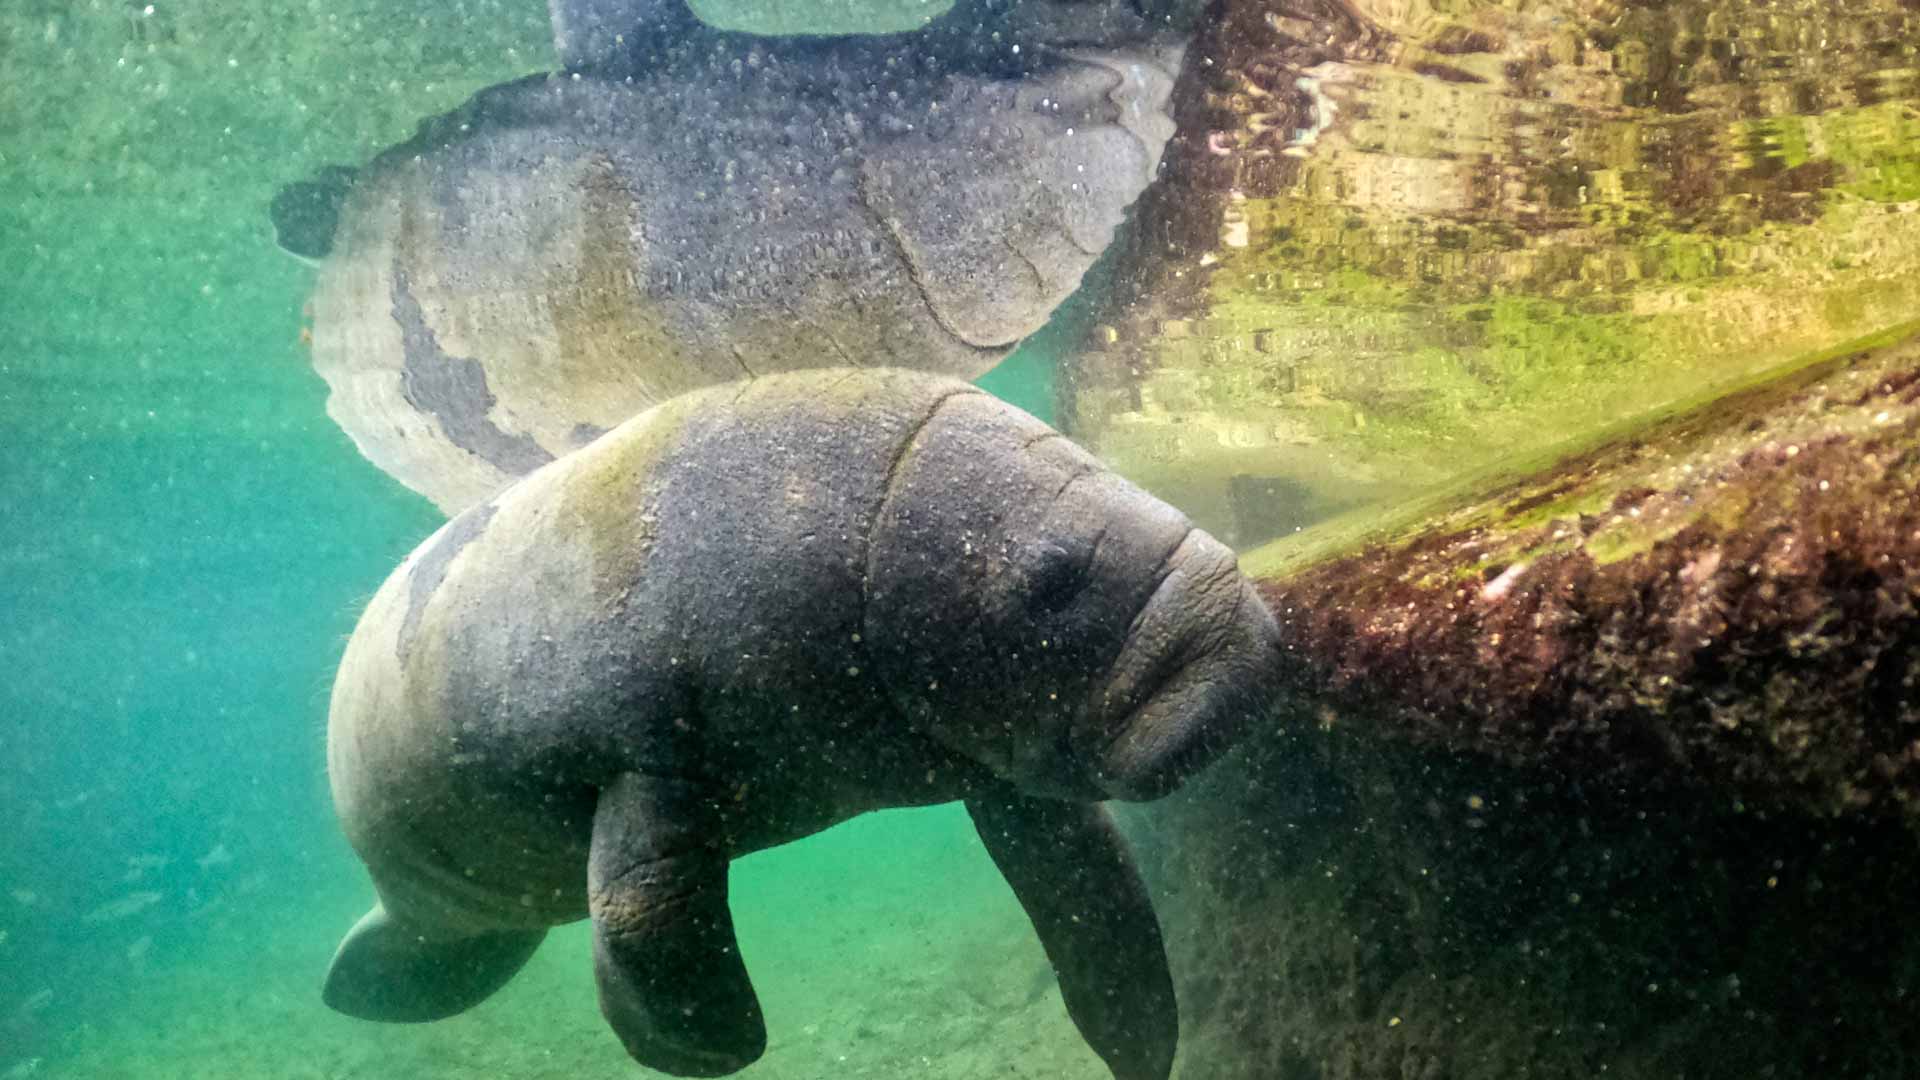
{"x":175,"y":602}
{"x":186,"y":539}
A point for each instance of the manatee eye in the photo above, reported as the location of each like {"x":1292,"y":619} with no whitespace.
{"x":1056,"y":572}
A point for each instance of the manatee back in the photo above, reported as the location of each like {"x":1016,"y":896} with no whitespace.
{"x":561,"y":253}
{"x":704,"y":562}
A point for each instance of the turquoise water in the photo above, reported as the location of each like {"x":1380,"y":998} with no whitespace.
{"x":174,"y":881}
{"x":186,"y":540}
{"x":177,"y":592}
{"x":191,"y":541}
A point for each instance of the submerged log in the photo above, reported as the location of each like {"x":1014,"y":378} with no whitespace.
{"x":1605,"y":771}
{"x":1728,"y":598}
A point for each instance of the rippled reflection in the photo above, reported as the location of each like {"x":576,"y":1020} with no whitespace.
{"x":1401,"y":242}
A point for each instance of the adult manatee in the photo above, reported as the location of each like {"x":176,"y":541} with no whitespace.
{"x":685,"y":206}
{"x":743,"y":616}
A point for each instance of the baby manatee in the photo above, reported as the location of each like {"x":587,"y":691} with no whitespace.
{"x":684,"y":206}
{"x":745,"y":615}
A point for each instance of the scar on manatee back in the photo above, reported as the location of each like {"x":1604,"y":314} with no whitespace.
{"x":431,"y":569}
{"x":453,"y":390}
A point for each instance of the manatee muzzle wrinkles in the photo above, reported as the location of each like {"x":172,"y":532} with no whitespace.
{"x":1192,"y":673}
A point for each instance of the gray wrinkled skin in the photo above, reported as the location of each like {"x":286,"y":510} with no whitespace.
{"x":691,"y":206}
{"x":746,"y":615}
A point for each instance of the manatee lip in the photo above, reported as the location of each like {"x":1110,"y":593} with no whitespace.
{"x":1196,"y":686}
{"x":1161,"y":772}
{"x":1209,"y":715}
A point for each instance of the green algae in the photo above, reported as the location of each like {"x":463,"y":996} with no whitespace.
{"x":1464,"y":504}
{"x":1493,"y":372}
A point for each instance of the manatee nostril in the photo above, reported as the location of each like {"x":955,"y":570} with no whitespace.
{"x":1057,"y":573}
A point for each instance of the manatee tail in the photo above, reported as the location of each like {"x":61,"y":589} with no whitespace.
{"x":385,"y":971}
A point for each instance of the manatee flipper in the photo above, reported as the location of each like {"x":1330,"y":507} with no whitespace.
{"x":385,"y":970}
{"x":306,"y":213}
{"x":1073,"y":874}
{"x":672,"y":984}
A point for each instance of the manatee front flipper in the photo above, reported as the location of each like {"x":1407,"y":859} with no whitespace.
{"x":664,"y":955}
{"x":306,"y":213}
{"x":385,"y":970}
{"x":1074,"y":875}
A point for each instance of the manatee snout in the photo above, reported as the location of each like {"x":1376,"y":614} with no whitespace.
{"x":1198,"y":665}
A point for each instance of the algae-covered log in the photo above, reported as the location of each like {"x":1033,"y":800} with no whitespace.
{"x":1726,"y":597}
{"x":1337,"y":907}
{"x":1398,"y":247}
{"x":1605,"y":772}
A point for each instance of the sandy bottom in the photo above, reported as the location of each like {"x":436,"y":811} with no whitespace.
{"x":886,"y":948}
